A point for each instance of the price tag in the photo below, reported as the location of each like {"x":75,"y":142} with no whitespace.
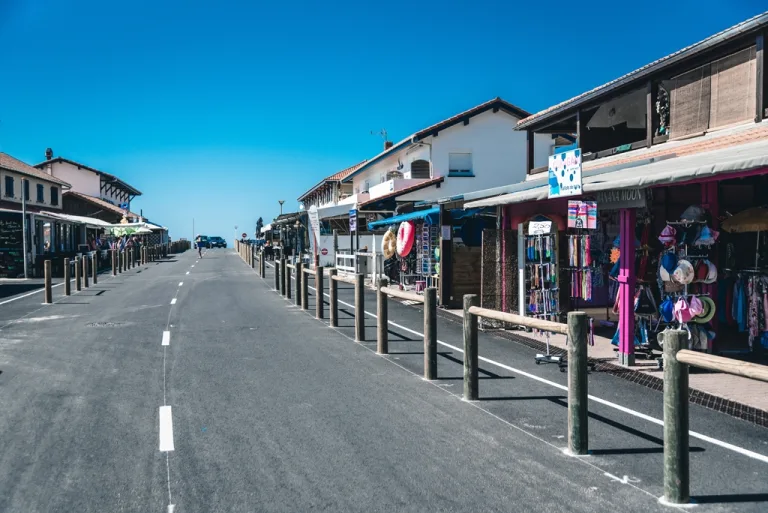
{"x":539,"y":227}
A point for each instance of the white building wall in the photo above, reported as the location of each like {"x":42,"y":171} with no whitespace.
{"x":82,"y":180}
{"x":18,"y":191}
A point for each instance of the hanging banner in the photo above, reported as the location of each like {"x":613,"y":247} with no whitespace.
{"x":353,"y":220}
{"x":314,"y":221}
{"x":565,"y":174}
{"x":582,"y":214}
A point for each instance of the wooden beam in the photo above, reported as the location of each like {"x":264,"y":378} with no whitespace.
{"x":649,"y":114}
{"x":529,"y":151}
{"x":466,"y":121}
{"x":760,"y":75}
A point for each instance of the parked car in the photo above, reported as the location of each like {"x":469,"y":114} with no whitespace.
{"x":217,"y":242}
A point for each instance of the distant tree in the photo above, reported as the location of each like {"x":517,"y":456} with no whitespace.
{"x":259,"y":226}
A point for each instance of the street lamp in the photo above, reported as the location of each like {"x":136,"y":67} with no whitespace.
{"x":281,"y":206}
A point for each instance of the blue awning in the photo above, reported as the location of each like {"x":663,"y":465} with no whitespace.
{"x":430,"y":216}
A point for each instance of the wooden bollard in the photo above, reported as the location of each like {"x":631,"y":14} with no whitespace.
{"x":319,"y":298}
{"x":288,"y":287}
{"x":114,"y":262}
{"x":119,"y":262}
{"x":430,"y":333}
{"x":48,"y":288}
{"x":299,"y":277}
{"x":253,"y":258}
{"x":304,"y":291}
{"x":676,"y":444}
{"x":67,"y":286}
{"x":78,"y":283}
{"x":85,"y":271}
{"x":578,"y":430}
{"x":95,"y":268}
{"x":359,"y":308}
{"x":283,"y":276}
{"x":333,"y":298}
{"x":263,"y":266}
{"x":382,"y":321}
{"x":277,"y":276}
{"x":470,"y":349}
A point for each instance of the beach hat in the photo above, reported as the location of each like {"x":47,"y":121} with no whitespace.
{"x":707,"y":312}
{"x":683,"y":272}
{"x":702,"y":269}
{"x":669,"y":262}
{"x":707,"y":237}
{"x":664,"y":274}
{"x":667,"y":310}
{"x":682,"y":311}
{"x":667,"y":236}
{"x":695,"y":306}
{"x":711,"y":273}
{"x":693,"y":213}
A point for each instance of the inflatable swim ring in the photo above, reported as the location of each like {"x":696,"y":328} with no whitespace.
{"x":389,"y":244}
{"x":405,"y":236}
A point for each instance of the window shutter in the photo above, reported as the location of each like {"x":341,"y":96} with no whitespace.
{"x":420,"y":169}
{"x":733,"y":88}
{"x":460,"y":162}
{"x":690,"y":102}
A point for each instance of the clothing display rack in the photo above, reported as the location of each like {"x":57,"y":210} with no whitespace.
{"x":543,"y":291}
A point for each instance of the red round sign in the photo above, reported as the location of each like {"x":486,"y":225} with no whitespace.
{"x":245,"y":235}
{"x":324,"y":251}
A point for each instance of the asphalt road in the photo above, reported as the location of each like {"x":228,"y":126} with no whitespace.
{"x":255,"y":406}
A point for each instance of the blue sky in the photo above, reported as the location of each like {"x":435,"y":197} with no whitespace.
{"x":215,"y":110}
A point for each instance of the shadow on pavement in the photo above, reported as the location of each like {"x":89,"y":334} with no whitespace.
{"x":736,"y":497}
{"x":12,"y":289}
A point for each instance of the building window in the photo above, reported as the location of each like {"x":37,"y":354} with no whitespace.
{"x":40,"y":193}
{"x":420,"y":169}
{"x":26,"y":189}
{"x":9,"y":187}
{"x":460,"y":164}
{"x":54,"y":195}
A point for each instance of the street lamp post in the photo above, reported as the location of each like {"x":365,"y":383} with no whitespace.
{"x":281,"y":206}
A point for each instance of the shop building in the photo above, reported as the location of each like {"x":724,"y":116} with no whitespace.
{"x":662,"y":222}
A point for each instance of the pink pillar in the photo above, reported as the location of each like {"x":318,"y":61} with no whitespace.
{"x":626,"y":280}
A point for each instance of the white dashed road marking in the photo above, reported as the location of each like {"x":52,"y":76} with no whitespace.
{"x":181,"y":283}
{"x":173,"y":301}
{"x":166,"y":429}
{"x":167,"y":337}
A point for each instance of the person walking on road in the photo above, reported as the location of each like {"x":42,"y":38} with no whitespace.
{"x":199,"y":244}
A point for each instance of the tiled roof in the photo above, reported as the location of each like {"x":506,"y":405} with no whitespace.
{"x":100,"y":202}
{"x":109,"y":177}
{"x":750,"y":24}
{"x":412,"y":188}
{"x":442,"y":125}
{"x":335,"y":177}
{"x":14,"y":164}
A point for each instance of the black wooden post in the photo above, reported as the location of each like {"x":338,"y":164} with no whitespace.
{"x":676,"y":443}
{"x":283,"y":276}
{"x":430,"y":333}
{"x":114,"y":262}
{"x":319,"y":287}
{"x":277,"y":275}
{"x":578,"y":432}
{"x":78,"y":283}
{"x":48,"y":288}
{"x":67,"y":286}
{"x":85,"y":270}
{"x":470,"y":349}
{"x":304,"y":291}
{"x":299,"y":277}
{"x":382,"y":321}
{"x":95,"y":268}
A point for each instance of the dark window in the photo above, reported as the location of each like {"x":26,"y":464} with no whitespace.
{"x":26,"y":189}
{"x":9,"y":187}
{"x":420,"y":169}
{"x":54,"y":195}
{"x":40,"y":193}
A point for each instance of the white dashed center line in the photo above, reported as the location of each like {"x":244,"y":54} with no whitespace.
{"x":187,"y":272}
{"x":181,"y":283}
{"x":167,"y":337}
{"x":173,"y":301}
{"x":166,"y":429}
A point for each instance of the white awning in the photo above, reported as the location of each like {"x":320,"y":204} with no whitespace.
{"x":88,"y":221}
{"x":335,"y":210}
{"x":720,"y":163}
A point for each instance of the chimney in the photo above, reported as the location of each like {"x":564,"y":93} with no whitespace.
{"x":48,"y":157}
{"x":388,"y":145}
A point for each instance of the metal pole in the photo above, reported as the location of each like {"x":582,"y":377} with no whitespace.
{"x":359,"y":308}
{"x":470,"y":348}
{"x":578,"y":425}
{"x":430,"y":333}
{"x":78,"y":283}
{"x":85,"y":271}
{"x":67,"y":287}
{"x":382,"y":323}
{"x":333,"y":302}
{"x":95,"y":269}
{"x":299,"y":272}
{"x":24,"y":224}
{"x":48,"y":291}
{"x":676,"y":443}
{"x":319,"y":294}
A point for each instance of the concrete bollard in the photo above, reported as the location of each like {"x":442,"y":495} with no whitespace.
{"x":359,"y":308}
{"x":78,"y":283}
{"x":676,"y":444}
{"x":299,"y":276}
{"x":48,"y":288}
{"x":95,"y":268}
{"x":277,"y":276}
{"x":85,"y":271}
{"x":578,"y":423}
{"x":382,"y":323}
{"x":430,"y":333}
{"x":333,"y":302}
{"x":283,"y":276}
{"x":114,"y":262}
{"x":304,"y":292}
{"x":67,"y":286}
{"x":470,"y":349}
{"x":319,"y":297}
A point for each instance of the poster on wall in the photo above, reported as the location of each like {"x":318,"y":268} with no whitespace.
{"x":314,"y":221}
{"x":565,"y":174}
{"x":582,"y":214}
{"x":353,"y":220}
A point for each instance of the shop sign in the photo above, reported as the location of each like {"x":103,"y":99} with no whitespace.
{"x":623,"y":198}
{"x":314,"y":221}
{"x":353,"y":220}
{"x":539,"y":227}
{"x":565,"y":174}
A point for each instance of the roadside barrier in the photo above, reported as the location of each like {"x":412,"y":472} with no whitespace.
{"x":85,"y":271}
{"x":284,"y":276}
{"x":277,"y":276}
{"x":114,"y":262}
{"x":299,"y":277}
{"x":289,"y":269}
{"x":677,"y":473}
{"x":307,"y":272}
{"x":78,"y":283}
{"x":333,"y":294}
{"x":67,"y":287}
{"x":360,"y":307}
{"x":48,"y":288}
{"x":95,"y":268}
{"x":577,"y":331}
